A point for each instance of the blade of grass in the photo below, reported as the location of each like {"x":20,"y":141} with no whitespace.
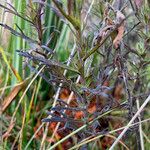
{"x":5,"y":83}
{"x":24,"y":93}
{"x":68,"y":101}
{"x":31,"y":103}
{"x":18,"y":77}
{"x":140,"y":126}
{"x":123,"y":144}
{"x":31,"y":139}
{"x":14,"y":92}
{"x":146,"y":137}
{"x":18,"y":43}
{"x":130,"y":122}
{"x":22,"y":127}
{"x":79,"y":129}
{"x":85,"y":141}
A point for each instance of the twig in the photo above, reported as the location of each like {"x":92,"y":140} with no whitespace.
{"x":91,"y":5}
{"x":131,"y":29}
{"x":131,"y":121}
{"x":15,"y":13}
{"x":56,"y":97}
{"x":146,"y":137}
{"x":79,"y":129}
{"x":17,"y":33}
{"x":88,"y":140}
{"x":130,"y":102}
{"x":68,"y":17}
{"x":130,"y":1}
{"x":140,"y":126}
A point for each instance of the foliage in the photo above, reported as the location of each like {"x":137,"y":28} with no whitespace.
{"x":74,"y":74}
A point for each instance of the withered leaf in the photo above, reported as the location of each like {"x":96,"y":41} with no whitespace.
{"x":14,"y":92}
{"x":120,"y":30}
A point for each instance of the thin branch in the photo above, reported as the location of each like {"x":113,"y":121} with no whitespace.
{"x":15,"y":13}
{"x":17,"y":33}
{"x":131,"y":121}
{"x":88,"y":140}
{"x":68,"y":17}
{"x":140,"y":127}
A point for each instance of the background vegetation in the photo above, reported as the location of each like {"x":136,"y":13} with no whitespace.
{"x":75,"y":74}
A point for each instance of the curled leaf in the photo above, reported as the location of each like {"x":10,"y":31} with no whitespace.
{"x":120,"y":30}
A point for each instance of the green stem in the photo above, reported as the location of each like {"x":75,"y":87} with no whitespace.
{"x":79,"y":129}
{"x":68,"y":17}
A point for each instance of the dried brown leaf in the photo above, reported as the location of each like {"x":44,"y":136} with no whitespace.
{"x":120,"y":31}
{"x":8,"y":100}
